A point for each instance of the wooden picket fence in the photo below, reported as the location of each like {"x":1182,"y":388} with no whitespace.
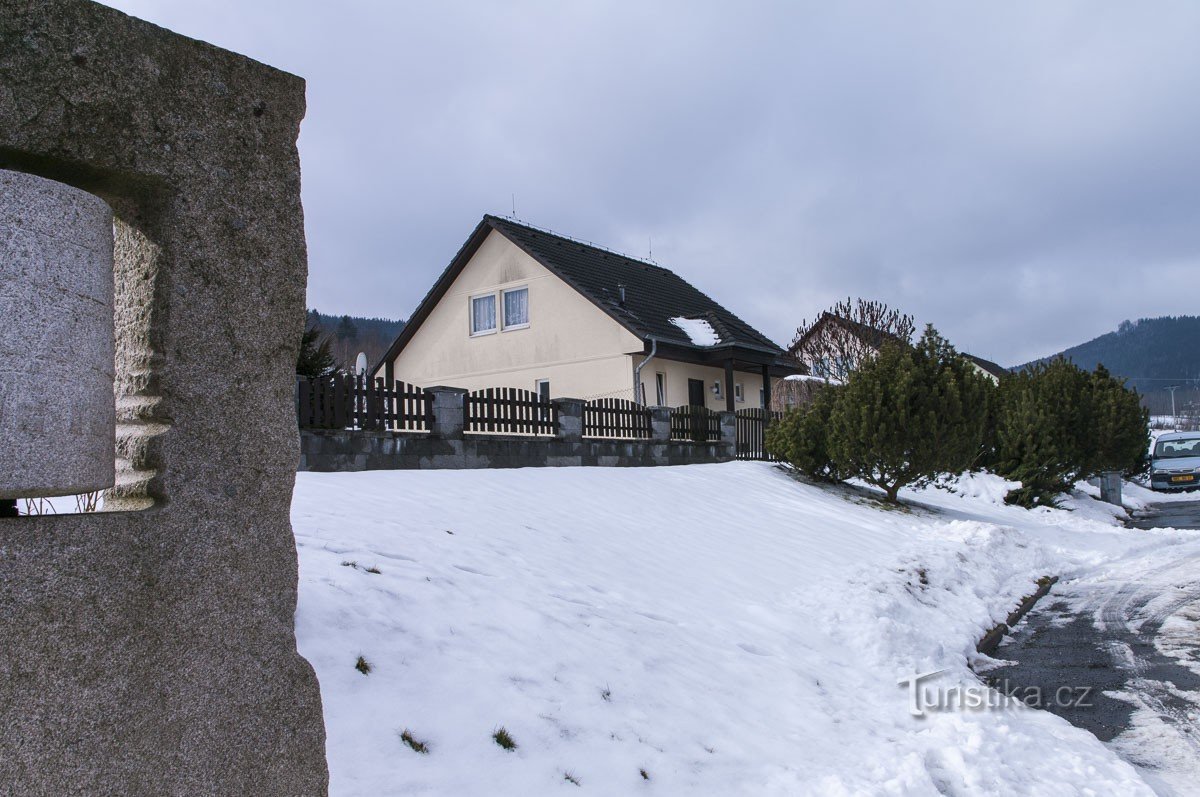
{"x":508,"y":410}
{"x":695,"y":423}
{"x":752,"y":426}
{"x":616,"y":418}
{"x":344,"y":401}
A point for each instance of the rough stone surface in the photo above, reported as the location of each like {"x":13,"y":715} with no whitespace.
{"x":570,"y":419}
{"x":57,"y":417}
{"x":153,"y":652}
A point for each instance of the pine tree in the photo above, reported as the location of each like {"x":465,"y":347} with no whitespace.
{"x":1120,"y":426}
{"x":908,"y":415}
{"x":1045,"y":435}
{"x":801,"y":439}
{"x":315,"y":360}
{"x":347,"y":329}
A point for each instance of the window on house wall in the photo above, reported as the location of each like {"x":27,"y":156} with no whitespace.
{"x":483,"y":314}
{"x":737,"y":392}
{"x":516,"y":308}
{"x":660,"y":389}
{"x":762,"y":397}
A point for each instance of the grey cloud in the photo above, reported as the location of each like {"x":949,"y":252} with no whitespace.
{"x":1022,"y":175}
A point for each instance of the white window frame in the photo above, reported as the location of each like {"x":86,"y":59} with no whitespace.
{"x":738,"y":393}
{"x":471,"y":315}
{"x":500,"y":309}
{"x":537,"y":387}
{"x":660,"y":388}
{"x":762,"y":397}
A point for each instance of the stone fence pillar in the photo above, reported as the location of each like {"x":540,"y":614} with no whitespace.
{"x":449,"y":412}
{"x":570,"y":419}
{"x":660,"y":424}
{"x":729,"y":431}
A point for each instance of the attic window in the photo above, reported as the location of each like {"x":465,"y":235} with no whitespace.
{"x":483,"y":314}
{"x":516,"y":308}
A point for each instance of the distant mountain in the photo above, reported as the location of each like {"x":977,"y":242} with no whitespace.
{"x":350,"y":334}
{"x":1151,"y":353}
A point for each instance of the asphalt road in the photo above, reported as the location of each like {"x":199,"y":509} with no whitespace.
{"x":1182,"y":515}
{"x":1095,"y":652}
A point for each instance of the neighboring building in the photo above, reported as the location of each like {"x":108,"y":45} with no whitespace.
{"x":833,"y":347}
{"x":988,"y":368}
{"x":522,"y":307}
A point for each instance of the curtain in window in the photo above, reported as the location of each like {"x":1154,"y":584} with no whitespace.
{"x":516,"y":307}
{"x":483,"y":313}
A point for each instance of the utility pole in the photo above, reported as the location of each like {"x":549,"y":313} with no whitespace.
{"x":1174,"y":417}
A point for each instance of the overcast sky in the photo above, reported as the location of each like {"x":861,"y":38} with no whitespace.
{"x":1023,"y":175}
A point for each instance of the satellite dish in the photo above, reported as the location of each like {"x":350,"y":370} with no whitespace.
{"x":360,"y":364}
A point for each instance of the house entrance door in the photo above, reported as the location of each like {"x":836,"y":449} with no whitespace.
{"x":696,"y":392}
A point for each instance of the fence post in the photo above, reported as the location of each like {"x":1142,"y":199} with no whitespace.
{"x":1110,"y":487}
{"x":570,"y":419}
{"x":729,"y":432}
{"x":660,"y":424}
{"x":448,"y":412}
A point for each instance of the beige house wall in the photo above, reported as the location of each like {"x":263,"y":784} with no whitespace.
{"x":678,"y":373}
{"x":576,"y":345}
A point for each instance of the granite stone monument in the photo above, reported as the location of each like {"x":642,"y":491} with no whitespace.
{"x":150,"y":649}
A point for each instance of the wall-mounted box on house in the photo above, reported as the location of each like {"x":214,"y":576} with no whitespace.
{"x":57,"y":414}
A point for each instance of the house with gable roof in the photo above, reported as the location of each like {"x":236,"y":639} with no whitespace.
{"x":522,"y":307}
{"x":858,"y":339}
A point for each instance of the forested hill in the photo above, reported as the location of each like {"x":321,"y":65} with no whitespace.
{"x":1152,"y":353}
{"x":348,"y":335}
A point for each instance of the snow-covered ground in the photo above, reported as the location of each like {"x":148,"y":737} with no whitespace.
{"x":709,"y":629}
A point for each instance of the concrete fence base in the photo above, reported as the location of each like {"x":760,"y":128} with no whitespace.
{"x":354,"y":450}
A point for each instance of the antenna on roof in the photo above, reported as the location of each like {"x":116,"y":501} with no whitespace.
{"x":514,"y":200}
{"x":650,"y":238}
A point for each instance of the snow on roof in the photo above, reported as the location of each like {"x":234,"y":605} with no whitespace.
{"x":698,"y":330}
{"x":812,"y":378}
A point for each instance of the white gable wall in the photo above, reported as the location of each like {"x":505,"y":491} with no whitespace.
{"x":576,"y":345}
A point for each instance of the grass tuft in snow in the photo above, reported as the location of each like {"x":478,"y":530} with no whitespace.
{"x":504,"y":739}
{"x":416,"y":744}
{"x":362,"y":666}
{"x":569,"y":778}
{"x":606,"y":695}
{"x":350,"y":563}
{"x":373,"y":569}
{"x":645,"y":775}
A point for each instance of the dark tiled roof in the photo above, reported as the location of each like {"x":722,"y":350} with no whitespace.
{"x":653,"y":295}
